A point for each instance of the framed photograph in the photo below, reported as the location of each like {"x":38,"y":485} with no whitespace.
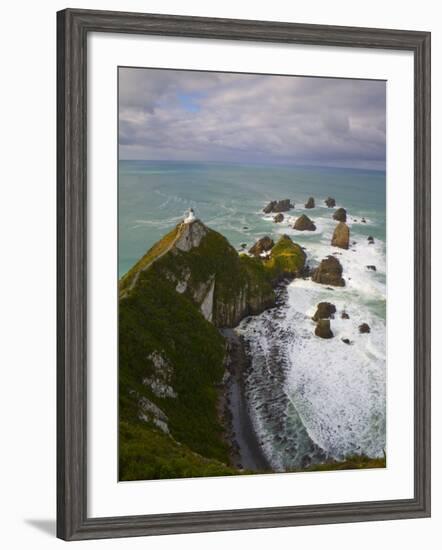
{"x":243,"y":274}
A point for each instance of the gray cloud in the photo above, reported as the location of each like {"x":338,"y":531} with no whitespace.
{"x":185,"y":115}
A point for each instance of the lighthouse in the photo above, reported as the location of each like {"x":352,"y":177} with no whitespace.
{"x":190,"y":216}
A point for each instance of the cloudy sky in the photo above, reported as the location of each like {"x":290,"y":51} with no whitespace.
{"x":186,"y":115}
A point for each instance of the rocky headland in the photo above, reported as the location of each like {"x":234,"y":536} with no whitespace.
{"x":193,"y":284}
{"x":183,"y":411}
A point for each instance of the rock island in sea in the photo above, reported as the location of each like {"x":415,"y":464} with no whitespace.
{"x":185,"y":371}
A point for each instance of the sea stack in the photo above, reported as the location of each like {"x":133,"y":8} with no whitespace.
{"x":364,"y":328}
{"x":283,"y":206}
{"x":269,"y":208}
{"x":323,"y":329}
{"x":278,"y":218}
{"x":329,"y":272}
{"x":310,"y":203}
{"x":278,"y":206}
{"x":324,"y":310}
{"x":340,"y":215}
{"x":330,"y":202}
{"x":262,"y":245}
{"x":304,"y":223}
{"x":341,"y":236}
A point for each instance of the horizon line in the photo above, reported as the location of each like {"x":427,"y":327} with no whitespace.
{"x":302,"y":165}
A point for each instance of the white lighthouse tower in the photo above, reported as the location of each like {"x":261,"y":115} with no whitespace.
{"x":190,"y":216}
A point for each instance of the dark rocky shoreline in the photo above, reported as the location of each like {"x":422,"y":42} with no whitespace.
{"x":245,"y":444}
{"x":246,"y":452}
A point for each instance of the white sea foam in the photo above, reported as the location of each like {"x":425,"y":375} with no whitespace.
{"x":333,"y":391}
{"x":338,"y":389}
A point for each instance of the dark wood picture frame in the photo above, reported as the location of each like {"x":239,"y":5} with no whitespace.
{"x":73,"y":27}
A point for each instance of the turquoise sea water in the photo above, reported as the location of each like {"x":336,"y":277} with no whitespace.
{"x":331,"y":395}
{"x":153,"y":197}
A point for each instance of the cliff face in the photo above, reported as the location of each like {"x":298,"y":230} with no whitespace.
{"x":171,"y":354}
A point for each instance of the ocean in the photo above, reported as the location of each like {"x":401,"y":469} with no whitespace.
{"x":330,"y":395}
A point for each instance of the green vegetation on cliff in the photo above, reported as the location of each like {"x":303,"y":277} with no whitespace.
{"x":147,"y":453}
{"x":286,"y":259}
{"x":259,"y":291}
{"x":155,"y":321}
{"x":171,"y":354}
{"x":213,"y":261}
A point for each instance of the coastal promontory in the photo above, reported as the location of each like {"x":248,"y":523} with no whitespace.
{"x":172,"y":355}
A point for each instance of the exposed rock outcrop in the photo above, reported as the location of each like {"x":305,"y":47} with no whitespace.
{"x":181,"y":284}
{"x":278,"y":218}
{"x":262,"y":245}
{"x":330,"y":202}
{"x":304,"y":223}
{"x":345,"y":315}
{"x":323,"y":329}
{"x":283,"y":205}
{"x":364,"y":328}
{"x":160,"y":379}
{"x":370,"y":239}
{"x":340,"y":215}
{"x":324,"y":310}
{"x":341,"y":236}
{"x":206,"y":299}
{"x":329,"y":272}
{"x":149,"y":412}
{"x":310,"y":203}
{"x":191,"y":236}
{"x":346,"y":341}
{"x":371,"y":267}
